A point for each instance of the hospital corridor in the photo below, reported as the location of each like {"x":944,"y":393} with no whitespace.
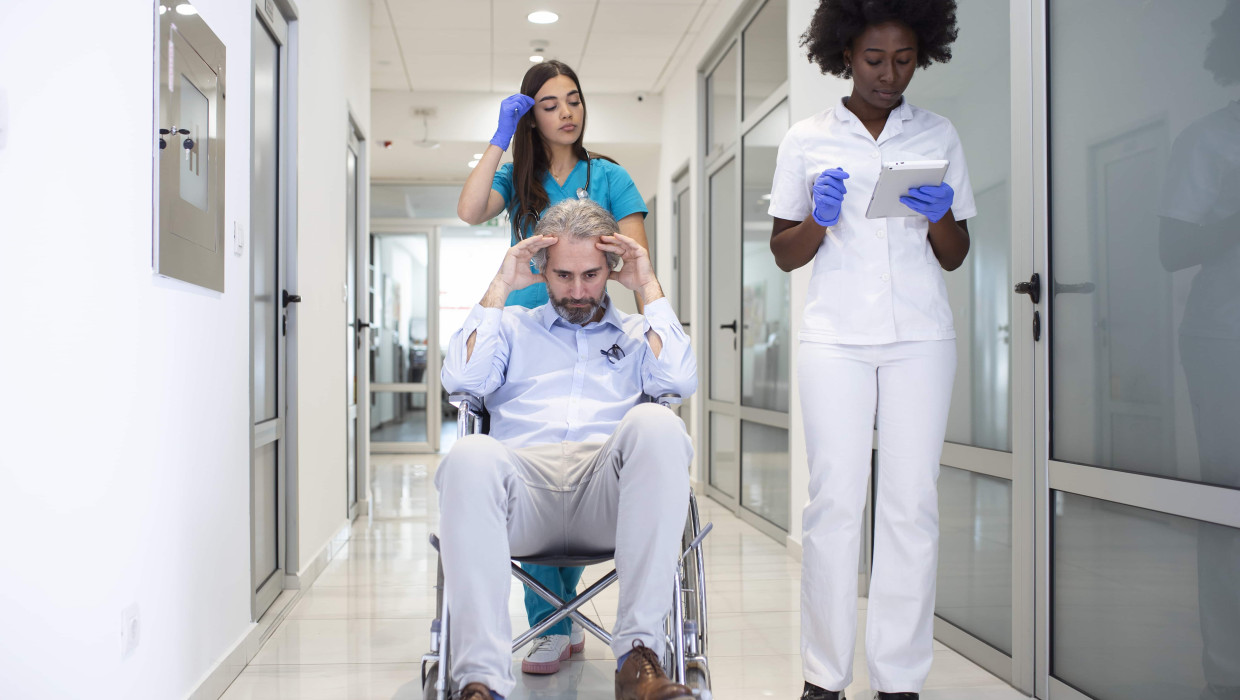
{"x":633,"y":349}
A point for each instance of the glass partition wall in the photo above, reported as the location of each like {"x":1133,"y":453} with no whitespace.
{"x":1141,"y":373}
{"x":746,"y":116}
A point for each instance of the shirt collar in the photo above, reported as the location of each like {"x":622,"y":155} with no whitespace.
{"x":610,"y":315}
{"x":903,"y":112}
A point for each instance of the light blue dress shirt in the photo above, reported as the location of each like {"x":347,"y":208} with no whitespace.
{"x":546,"y":381}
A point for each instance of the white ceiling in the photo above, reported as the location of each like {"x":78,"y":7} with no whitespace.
{"x":616,"y":46}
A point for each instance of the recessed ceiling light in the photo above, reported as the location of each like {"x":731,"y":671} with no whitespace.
{"x":543,"y":17}
{"x":163,"y":9}
{"x":473,"y":163}
{"x":536,"y":58}
{"x":186,"y":9}
{"x":477,"y":156}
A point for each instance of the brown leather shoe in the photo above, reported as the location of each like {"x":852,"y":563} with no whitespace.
{"x":475,"y":691}
{"x":642,"y":678}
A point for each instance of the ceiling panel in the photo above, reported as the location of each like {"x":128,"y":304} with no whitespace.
{"x":452,"y":72}
{"x":627,"y":45}
{"x":453,"y":41}
{"x":638,"y":18}
{"x":432,"y":14}
{"x":566,"y":37}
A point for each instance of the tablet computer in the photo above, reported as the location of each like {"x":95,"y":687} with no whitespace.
{"x":895,"y":180}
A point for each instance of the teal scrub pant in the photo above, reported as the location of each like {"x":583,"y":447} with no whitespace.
{"x":562,"y":582}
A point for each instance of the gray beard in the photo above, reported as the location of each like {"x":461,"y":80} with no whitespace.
{"x":578,"y":317}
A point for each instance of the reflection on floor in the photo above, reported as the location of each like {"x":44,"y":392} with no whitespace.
{"x":360,"y":631}
{"x":411,"y":428}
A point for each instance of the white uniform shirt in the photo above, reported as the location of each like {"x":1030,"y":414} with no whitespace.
{"x":874,"y":281}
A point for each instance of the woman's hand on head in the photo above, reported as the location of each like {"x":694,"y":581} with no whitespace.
{"x":510,"y":112}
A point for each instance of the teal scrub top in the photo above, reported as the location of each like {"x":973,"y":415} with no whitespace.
{"x":610,"y":186}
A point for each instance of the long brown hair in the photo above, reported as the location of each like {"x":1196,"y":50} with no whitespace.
{"x":529,"y":151}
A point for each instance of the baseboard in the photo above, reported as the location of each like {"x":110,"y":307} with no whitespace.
{"x":310,"y":572}
{"x":226,"y":670}
{"x":245,"y":649}
{"x":794,"y":547}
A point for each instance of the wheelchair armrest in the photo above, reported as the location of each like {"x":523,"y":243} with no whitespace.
{"x":465,"y":401}
{"x":471,"y":414}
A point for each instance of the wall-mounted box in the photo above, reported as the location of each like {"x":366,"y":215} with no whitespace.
{"x":189,"y":148}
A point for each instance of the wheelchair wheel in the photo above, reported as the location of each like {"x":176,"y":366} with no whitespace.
{"x":429,"y":691}
{"x":697,"y":677}
{"x":693,"y":585}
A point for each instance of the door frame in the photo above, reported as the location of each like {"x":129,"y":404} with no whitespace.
{"x":357,"y":141}
{"x":279,"y":19}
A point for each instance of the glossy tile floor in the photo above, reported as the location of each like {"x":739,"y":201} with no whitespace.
{"x":361,"y":629}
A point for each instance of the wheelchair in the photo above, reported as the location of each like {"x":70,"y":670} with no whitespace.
{"x":685,"y":626}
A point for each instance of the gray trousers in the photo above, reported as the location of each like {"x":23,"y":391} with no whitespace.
{"x":630,"y":494}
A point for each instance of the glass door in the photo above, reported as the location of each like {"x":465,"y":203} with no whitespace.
{"x":353,"y":323}
{"x":1139,"y":373}
{"x":269,"y":312}
{"x":405,"y":405}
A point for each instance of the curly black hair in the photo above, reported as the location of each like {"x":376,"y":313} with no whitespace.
{"x":837,"y":23}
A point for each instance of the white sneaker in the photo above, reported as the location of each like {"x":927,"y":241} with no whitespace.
{"x":546,"y":653}
{"x":578,"y":639}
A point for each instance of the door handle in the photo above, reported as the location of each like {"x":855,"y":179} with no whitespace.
{"x":1033,"y":288}
{"x":359,"y":324}
{"x":291,"y":298}
{"x":731,"y":325}
{"x":1080,"y":288}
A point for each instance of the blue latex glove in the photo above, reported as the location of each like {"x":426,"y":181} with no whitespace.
{"x":932,"y":201}
{"x":829,"y":192}
{"x":510,"y":112}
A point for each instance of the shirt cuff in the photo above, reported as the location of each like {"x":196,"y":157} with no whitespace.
{"x":660,"y":310}
{"x":482,"y":318}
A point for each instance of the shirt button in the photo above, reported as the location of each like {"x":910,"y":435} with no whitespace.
{"x":873,"y":154}
{"x":881,"y":233}
{"x":885,"y":277}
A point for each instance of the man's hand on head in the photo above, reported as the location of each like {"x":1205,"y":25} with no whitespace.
{"x":637,"y":274}
{"x":514,"y":273}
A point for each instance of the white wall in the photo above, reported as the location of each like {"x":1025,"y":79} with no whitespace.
{"x":124,"y":429}
{"x":125,"y":475}
{"x":334,"y":82}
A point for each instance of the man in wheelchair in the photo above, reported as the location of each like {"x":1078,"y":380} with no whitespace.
{"x":575,"y":462}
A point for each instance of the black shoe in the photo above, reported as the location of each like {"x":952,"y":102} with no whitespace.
{"x":813,"y":692}
{"x":880,"y":695}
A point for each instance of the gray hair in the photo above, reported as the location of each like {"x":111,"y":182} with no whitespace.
{"x":580,"y":219}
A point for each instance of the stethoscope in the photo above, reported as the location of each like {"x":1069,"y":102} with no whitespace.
{"x":584,"y":192}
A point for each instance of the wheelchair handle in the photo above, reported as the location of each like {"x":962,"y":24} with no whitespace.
{"x":698,"y":540}
{"x":669,"y":400}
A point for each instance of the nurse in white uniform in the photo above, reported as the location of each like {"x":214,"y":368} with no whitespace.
{"x":877,"y":344}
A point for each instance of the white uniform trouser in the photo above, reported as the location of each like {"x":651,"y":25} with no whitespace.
{"x":630,"y":494}
{"x":910,"y":386}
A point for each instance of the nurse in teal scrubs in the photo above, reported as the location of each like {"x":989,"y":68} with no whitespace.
{"x":545,"y":123}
